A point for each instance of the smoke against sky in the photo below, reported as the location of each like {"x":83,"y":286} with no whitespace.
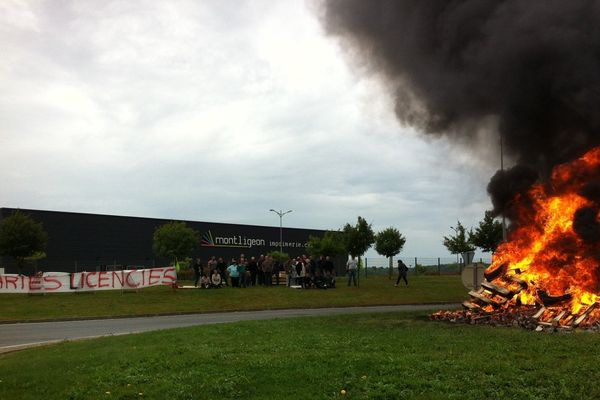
{"x":526,"y":70}
{"x":215,"y":111}
{"x":533,"y":66}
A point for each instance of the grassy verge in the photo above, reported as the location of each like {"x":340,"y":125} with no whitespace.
{"x":374,"y":356}
{"x":163,"y":300}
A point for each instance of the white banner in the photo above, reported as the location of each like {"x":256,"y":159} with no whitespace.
{"x":60,"y":282}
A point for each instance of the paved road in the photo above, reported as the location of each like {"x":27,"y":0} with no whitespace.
{"x":22,"y":335}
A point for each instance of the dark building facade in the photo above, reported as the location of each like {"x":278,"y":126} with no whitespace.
{"x":93,"y":242}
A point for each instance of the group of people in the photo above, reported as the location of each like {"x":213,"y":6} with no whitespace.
{"x":243,"y":272}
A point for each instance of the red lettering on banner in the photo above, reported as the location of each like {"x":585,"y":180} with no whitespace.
{"x":103,"y":277}
{"x":154,"y":274}
{"x":169,"y":276}
{"x":35,"y":283}
{"x":12,"y":280}
{"x":84,"y":281}
{"x":55,"y":284}
{"x":120,"y":276}
{"x":87,"y":280}
{"x":134,"y":285}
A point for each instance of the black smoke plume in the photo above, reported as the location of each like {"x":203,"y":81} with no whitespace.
{"x":531,"y":65}
{"x":506,"y":185}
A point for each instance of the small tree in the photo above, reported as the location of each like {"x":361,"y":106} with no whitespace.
{"x":358,"y":238}
{"x":458,"y":244}
{"x":331,"y":244}
{"x":21,"y":237}
{"x":279,"y":256}
{"x":488,"y":235}
{"x":388,"y":243}
{"x":175,"y":241}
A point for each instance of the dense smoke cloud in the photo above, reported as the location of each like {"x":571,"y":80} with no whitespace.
{"x":532,"y":66}
{"x":505,"y":185}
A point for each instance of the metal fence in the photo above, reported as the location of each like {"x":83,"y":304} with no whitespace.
{"x":370,"y":265}
{"x":419,"y":265}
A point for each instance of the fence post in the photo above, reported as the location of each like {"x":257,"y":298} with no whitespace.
{"x":357,"y":274}
{"x":366,"y":267}
{"x":416,"y":270}
{"x":439,"y":267}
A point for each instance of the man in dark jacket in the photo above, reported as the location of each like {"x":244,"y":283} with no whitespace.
{"x":197,"y":266}
{"x":402,"y":272}
{"x":253,"y":269}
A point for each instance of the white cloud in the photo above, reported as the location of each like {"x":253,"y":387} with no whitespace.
{"x":214,"y":111}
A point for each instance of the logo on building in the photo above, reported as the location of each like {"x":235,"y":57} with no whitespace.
{"x":208,"y":240}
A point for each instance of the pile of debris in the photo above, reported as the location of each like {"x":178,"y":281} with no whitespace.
{"x":497,"y":303}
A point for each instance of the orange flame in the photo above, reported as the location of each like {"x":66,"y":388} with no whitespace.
{"x":544,"y":249}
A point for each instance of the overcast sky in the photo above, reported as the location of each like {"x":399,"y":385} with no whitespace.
{"x":215,"y":111}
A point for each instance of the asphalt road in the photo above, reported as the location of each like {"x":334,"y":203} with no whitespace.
{"x":22,"y":335}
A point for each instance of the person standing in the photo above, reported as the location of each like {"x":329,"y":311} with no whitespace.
{"x":328,"y":266}
{"x":351,"y":267}
{"x":260,"y":271}
{"x":234,"y":275}
{"x":320,"y":266}
{"x":253,"y":269}
{"x":267,"y":268}
{"x":402,"y":272}
{"x":276,"y":269}
{"x":289,"y":271}
{"x":242,"y":271}
{"x":212,"y":265}
{"x":197,"y":266}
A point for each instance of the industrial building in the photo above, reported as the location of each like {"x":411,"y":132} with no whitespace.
{"x":94,"y":242}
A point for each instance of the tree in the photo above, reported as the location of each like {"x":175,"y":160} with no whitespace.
{"x":488,"y":235}
{"x":21,"y":237}
{"x":358,"y":238}
{"x":175,"y":241}
{"x":282,"y":257}
{"x":331,"y":244}
{"x":458,"y":244}
{"x":388,"y":243}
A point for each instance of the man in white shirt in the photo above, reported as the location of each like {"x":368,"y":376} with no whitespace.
{"x":351,"y":267}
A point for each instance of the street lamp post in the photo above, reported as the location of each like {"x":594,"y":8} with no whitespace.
{"x":281,"y":214}
{"x":502,"y":169}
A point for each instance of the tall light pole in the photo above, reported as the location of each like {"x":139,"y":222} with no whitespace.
{"x":281,"y":214}
{"x":502,"y":169}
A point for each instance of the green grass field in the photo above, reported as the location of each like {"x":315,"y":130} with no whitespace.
{"x":371,"y":356}
{"x":163,"y":300}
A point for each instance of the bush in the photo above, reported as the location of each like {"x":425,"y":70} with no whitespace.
{"x":279,"y":256}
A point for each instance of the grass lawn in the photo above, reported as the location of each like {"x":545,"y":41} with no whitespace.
{"x":163,"y":300}
{"x":371,"y":356}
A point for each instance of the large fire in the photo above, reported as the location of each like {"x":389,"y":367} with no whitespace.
{"x":550,"y":264}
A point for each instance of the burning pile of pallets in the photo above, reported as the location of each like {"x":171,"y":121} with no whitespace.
{"x":497,"y":303}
